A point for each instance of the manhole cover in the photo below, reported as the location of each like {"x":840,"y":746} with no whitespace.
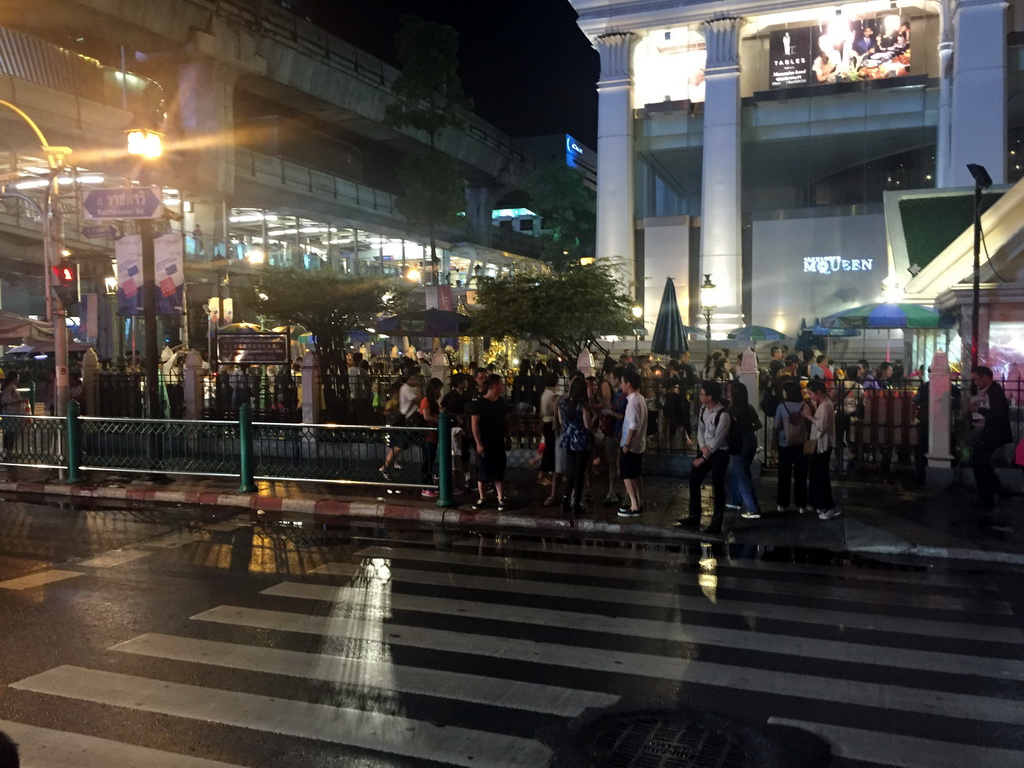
{"x":663,"y":740}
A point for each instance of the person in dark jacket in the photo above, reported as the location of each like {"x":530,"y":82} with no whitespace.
{"x":990,"y":416}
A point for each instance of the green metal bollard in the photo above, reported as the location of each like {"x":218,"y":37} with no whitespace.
{"x":444,"y":460}
{"x":74,"y":444}
{"x":247,"y":483}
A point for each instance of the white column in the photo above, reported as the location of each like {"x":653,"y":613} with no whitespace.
{"x":978,"y":115}
{"x":721,"y":245}
{"x":193,"y":380}
{"x":90,"y":383}
{"x":310,"y":389}
{"x":942,"y":144}
{"x":940,"y":459}
{"x":615,"y":192}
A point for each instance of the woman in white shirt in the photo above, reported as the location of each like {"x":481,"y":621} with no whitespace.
{"x":823,"y":434}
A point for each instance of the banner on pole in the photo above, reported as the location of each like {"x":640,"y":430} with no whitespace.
{"x":169,"y":274}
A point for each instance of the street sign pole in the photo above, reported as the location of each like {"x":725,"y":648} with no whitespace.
{"x":153,"y":399}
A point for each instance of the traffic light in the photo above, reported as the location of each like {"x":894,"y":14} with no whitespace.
{"x":65,"y":284}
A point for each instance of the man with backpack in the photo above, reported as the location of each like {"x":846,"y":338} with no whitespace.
{"x":713,"y":425}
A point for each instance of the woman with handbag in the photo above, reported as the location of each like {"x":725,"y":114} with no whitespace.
{"x":791,"y":428}
{"x":820,"y":444}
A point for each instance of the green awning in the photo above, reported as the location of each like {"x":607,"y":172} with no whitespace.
{"x":930,"y":224}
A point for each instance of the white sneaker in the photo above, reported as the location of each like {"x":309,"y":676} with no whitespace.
{"x":828,"y":514}
{"x":781,"y":509}
{"x":748,"y":515}
{"x":733,"y":506}
{"x":803,"y":510}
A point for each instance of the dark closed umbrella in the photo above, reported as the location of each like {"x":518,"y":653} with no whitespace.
{"x":669,"y":337}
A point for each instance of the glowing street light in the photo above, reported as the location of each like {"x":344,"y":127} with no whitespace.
{"x":145,"y":143}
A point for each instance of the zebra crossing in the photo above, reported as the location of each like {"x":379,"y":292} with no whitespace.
{"x":408,"y":655}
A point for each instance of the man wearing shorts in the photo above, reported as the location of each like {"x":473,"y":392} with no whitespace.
{"x":632,"y":444}
{"x":490,"y":424}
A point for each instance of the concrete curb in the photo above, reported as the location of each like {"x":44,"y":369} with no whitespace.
{"x":325,"y":511}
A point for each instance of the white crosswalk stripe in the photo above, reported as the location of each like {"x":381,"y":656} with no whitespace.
{"x":441,"y":657}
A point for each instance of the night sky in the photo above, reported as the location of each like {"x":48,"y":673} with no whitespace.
{"x":525,"y":63}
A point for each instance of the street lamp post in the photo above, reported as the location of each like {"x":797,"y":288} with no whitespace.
{"x":638,"y":313}
{"x":148,"y":145}
{"x":707,"y":305}
{"x":981,"y":181}
{"x":52,"y":247}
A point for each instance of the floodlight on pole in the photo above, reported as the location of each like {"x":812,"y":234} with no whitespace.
{"x":982,"y":181}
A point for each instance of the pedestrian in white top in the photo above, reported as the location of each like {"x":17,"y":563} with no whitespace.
{"x":823,"y":433}
{"x":632,"y":443}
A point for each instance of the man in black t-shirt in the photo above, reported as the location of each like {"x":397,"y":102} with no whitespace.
{"x":455,"y":403}
{"x":490,"y":424}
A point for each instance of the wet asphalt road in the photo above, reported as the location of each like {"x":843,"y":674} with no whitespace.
{"x":154,"y":636}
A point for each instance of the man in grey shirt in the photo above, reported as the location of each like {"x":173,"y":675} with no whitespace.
{"x":713,"y":425}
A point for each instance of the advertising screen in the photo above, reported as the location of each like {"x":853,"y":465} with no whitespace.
{"x":844,"y":50}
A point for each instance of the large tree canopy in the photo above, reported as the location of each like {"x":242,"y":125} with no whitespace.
{"x":563,"y":311}
{"x":329,"y":306}
{"x":569,"y":208}
{"x":428,"y":96}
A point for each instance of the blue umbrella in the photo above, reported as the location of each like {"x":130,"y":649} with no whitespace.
{"x":669,"y":337}
{"x":756,"y":333}
{"x":689,"y":329}
{"x":887,"y":315}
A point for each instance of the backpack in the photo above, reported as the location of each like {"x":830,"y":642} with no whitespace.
{"x":794,"y":428}
{"x":737,"y":432}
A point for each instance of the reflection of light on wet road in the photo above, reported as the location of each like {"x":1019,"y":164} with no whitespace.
{"x":708,"y":577}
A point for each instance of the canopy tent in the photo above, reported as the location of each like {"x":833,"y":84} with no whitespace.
{"x":15,"y":329}
{"x":426,"y":322}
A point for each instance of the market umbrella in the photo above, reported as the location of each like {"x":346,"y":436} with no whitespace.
{"x":690,"y":329}
{"x":756,"y":333}
{"x":669,"y":337}
{"x":804,"y":338}
{"x":240,"y":328}
{"x":887,"y":315}
{"x":426,"y":322}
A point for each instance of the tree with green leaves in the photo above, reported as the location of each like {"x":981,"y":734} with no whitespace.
{"x":428,"y":96}
{"x":330,"y":307}
{"x":564,"y":311}
{"x":561,"y":196}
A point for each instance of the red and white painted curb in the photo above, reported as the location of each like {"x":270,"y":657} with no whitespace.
{"x":325,"y":511}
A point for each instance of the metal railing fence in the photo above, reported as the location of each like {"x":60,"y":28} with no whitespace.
{"x":34,"y":441}
{"x":156,"y":445}
{"x":349,"y":454}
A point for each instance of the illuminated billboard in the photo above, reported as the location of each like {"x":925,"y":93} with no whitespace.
{"x":843,"y":50}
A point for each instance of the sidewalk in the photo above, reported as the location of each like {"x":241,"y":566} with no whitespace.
{"x":879,"y":518}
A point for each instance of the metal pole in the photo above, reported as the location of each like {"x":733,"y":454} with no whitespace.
{"x":150,"y":352}
{"x":246,"y":482}
{"x":444,"y":460}
{"x":976,"y":292}
{"x":52,"y":247}
{"x":74,"y":445}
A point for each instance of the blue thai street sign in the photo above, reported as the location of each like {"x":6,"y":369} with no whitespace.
{"x":128,"y":203}
{"x":97,"y":232}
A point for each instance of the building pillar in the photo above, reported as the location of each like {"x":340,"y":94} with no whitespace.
{"x":480,"y":201}
{"x":615,"y":162}
{"x":90,"y":383}
{"x":311,"y":390}
{"x":721,"y":244}
{"x":943,"y":175}
{"x":978,"y":112}
{"x":939,"y":472}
